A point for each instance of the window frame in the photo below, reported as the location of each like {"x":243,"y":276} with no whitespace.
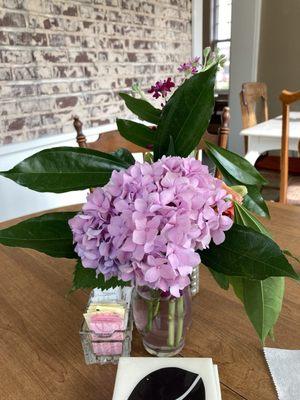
{"x":213,"y":35}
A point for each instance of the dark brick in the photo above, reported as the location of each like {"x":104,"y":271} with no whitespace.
{"x":16,"y":124}
{"x":65,"y":102}
{"x":3,"y":37}
{"x":71,"y":11}
{"x":27,"y":39}
{"x":13,"y":20}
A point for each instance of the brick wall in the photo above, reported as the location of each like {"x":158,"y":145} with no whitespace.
{"x":59,"y":58}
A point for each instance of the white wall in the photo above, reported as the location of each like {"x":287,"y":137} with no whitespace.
{"x":243,"y":60}
{"x":279,"y":53}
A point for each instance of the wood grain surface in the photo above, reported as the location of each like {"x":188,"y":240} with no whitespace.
{"x":40,"y":350}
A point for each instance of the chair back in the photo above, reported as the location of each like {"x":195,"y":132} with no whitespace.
{"x":221,"y":138}
{"x":286,"y":98}
{"x":107,"y":142}
{"x":251,"y":95}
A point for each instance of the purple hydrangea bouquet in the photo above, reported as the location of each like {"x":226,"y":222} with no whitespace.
{"x":149,"y":224}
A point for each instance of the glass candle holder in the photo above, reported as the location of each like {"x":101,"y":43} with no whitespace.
{"x":107,"y":338}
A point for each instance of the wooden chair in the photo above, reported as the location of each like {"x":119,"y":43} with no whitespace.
{"x":220,"y":138}
{"x":252,"y":93}
{"x":107,"y":142}
{"x":289,"y":188}
{"x":111,"y":141}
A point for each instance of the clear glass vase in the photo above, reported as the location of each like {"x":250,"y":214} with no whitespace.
{"x":161,"y":319}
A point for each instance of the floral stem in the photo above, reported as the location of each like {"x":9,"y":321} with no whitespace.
{"x":171,"y":323}
{"x":180,"y":316}
{"x":149,"y":316}
{"x":156,"y":308}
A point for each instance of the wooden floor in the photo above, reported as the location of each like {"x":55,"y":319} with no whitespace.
{"x":40,"y":350}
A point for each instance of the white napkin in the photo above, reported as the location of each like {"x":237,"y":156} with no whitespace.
{"x":284,"y":366}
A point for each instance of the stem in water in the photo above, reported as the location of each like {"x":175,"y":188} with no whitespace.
{"x":171,"y":323}
{"x":149,"y":316}
{"x":180,"y":319}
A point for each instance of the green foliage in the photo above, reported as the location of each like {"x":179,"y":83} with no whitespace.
{"x":84,"y":278}
{"x":124,"y":155}
{"x":262,"y":299}
{"x":49,"y":233}
{"x":142,"y":108}
{"x":235,"y":166}
{"x":244,"y":217}
{"x":187,"y":113}
{"x":63,"y":169}
{"x":263,"y":302}
{"x":253,"y":200}
{"x":221,"y":279}
{"x":137,"y":133}
{"x":248,"y":254}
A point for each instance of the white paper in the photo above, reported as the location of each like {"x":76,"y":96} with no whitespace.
{"x":132,"y":369}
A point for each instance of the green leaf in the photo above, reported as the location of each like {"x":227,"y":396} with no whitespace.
{"x":235,"y":166}
{"x":262,"y":299}
{"x":237,"y":284}
{"x":171,"y":149}
{"x":186,"y":115}
{"x":148,"y":157}
{"x":240,"y":189}
{"x":248,"y":254}
{"x":84,"y":278}
{"x":124,"y":155}
{"x":221,"y":279}
{"x":141,"y":108}
{"x":63,"y":169}
{"x":253,"y":200}
{"x":243,"y":217}
{"x":137,"y":133}
{"x":49,"y":233}
{"x":263,"y":302}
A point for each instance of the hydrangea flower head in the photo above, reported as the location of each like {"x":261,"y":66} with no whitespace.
{"x":148,"y":222}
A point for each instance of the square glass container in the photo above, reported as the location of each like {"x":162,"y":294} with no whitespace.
{"x":108,"y":347}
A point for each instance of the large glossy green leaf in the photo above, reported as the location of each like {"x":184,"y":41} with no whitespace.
{"x":84,"y":278}
{"x":221,"y":279}
{"x":142,"y":108}
{"x":63,"y":169}
{"x":262,"y":299}
{"x":248,"y":254}
{"x":236,"y":166}
{"x":244,"y":217}
{"x":263,"y":302}
{"x":49,"y":233}
{"x":124,"y":155}
{"x":253,"y":200}
{"x":137,"y":133}
{"x":186,"y":115}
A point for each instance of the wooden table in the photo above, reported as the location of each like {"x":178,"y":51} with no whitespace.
{"x":40,"y":351}
{"x":266,"y":136}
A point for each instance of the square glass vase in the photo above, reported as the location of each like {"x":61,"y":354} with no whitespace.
{"x":107,"y":348}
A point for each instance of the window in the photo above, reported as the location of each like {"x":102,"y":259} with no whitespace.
{"x":220,"y":38}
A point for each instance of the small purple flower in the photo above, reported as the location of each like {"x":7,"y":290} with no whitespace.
{"x":161,"y":88}
{"x":148,"y":222}
{"x":190,"y":67}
